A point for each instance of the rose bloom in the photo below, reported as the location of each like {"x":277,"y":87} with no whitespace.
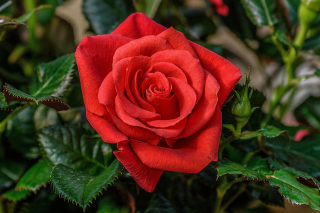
{"x":220,"y":7}
{"x":157,"y":95}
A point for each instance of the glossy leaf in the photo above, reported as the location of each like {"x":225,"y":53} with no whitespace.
{"x":45,"y":116}
{"x":12,"y":94}
{"x":271,"y":131}
{"x":15,"y":195}
{"x":36,"y":177}
{"x":293,"y":190}
{"x":104,"y":15}
{"x":10,"y":172}
{"x":22,"y":133}
{"x":260,"y":12}
{"x":229,"y":167}
{"x":74,"y":147}
{"x":267,"y":194}
{"x":260,"y":165}
{"x":53,"y":77}
{"x":81,"y":188}
{"x":303,"y":156}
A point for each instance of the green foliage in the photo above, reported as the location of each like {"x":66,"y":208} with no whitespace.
{"x":260,"y":165}
{"x":303,"y":155}
{"x":107,"y":204}
{"x":14,"y":195}
{"x":10,"y":172}
{"x":265,"y":193}
{"x":293,"y":190}
{"x":229,"y":167}
{"x":80,"y":187}
{"x":260,"y":12}
{"x":53,"y":77}
{"x":104,"y":15}
{"x":149,"y":7}
{"x":308,"y":112}
{"x":271,"y":131}
{"x":75,"y":147}
{"x":36,"y":177}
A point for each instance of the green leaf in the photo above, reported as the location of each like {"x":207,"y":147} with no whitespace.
{"x":73,"y":146}
{"x":22,"y":133}
{"x":80,"y":187}
{"x":3,"y":103}
{"x":260,"y":165}
{"x":104,"y":15}
{"x":293,"y":190}
{"x":149,"y":7}
{"x":271,"y":132}
{"x":53,"y":77}
{"x":36,"y":177}
{"x":303,"y":156}
{"x":45,"y":116}
{"x":12,"y":94}
{"x":260,"y":12}
{"x":312,"y":43}
{"x":318,"y":73}
{"x":267,"y":194}
{"x":292,"y":6}
{"x":14,"y":195}
{"x":159,"y":204}
{"x":229,"y":167}
{"x":10,"y":172}
{"x":246,"y":135}
{"x":230,"y":127}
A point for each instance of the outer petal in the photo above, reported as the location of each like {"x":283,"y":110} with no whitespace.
{"x":108,"y":132}
{"x":146,"y":177}
{"x":94,"y":59}
{"x":188,"y":155}
{"x":138,"y":25}
{"x":226,"y":73}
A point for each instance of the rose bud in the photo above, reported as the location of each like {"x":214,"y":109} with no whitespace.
{"x":157,"y":95}
{"x":308,"y":11}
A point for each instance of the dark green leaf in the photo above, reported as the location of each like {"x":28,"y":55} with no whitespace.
{"x":260,"y":165}
{"x":104,"y":15}
{"x":303,"y":156}
{"x":268,"y":195}
{"x":292,"y":6}
{"x":318,"y":73}
{"x":312,"y":43}
{"x":74,"y":147}
{"x":10,"y":173}
{"x":229,"y":167}
{"x":260,"y":12}
{"x":45,"y":116}
{"x":36,"y":177}
{"x":230,"y":127}
{"x":159,"y":204}
{"x":271,"y":131}
{"x":26,"y":16}
{"x":80,"y":187}
{"x":53,"y":77}
{"x":293,"y":190}
{"x":12,"y":94}
{"x":14,"y":195}
{"x":22,"y":133}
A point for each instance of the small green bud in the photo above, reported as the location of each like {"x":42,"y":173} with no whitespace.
{"x":241,"y":108}
{"x":309,"y":11}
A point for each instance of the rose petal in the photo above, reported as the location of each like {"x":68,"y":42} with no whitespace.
{"x":132,"y":122}
{"x":107,"y":131}
{"x":145,"y":46}
{"x":138,"y":25}
{"x":177,"y":40}
{"x":226,"y":73}
{"x":189,"y":155}
{"x":204,"y":109}
{"x":119,"y":72}
{"x":169,"y":70}
{"x":94,"y":63}
{"x":146,"y":177}
{"x":188,"y":64}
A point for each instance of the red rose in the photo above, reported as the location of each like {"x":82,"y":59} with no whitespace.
{"x":157,"y":95}
{"x":220,"y":7}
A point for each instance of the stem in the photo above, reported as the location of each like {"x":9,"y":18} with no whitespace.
{"x":223,"y":144}
{"x":11,"y":115}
